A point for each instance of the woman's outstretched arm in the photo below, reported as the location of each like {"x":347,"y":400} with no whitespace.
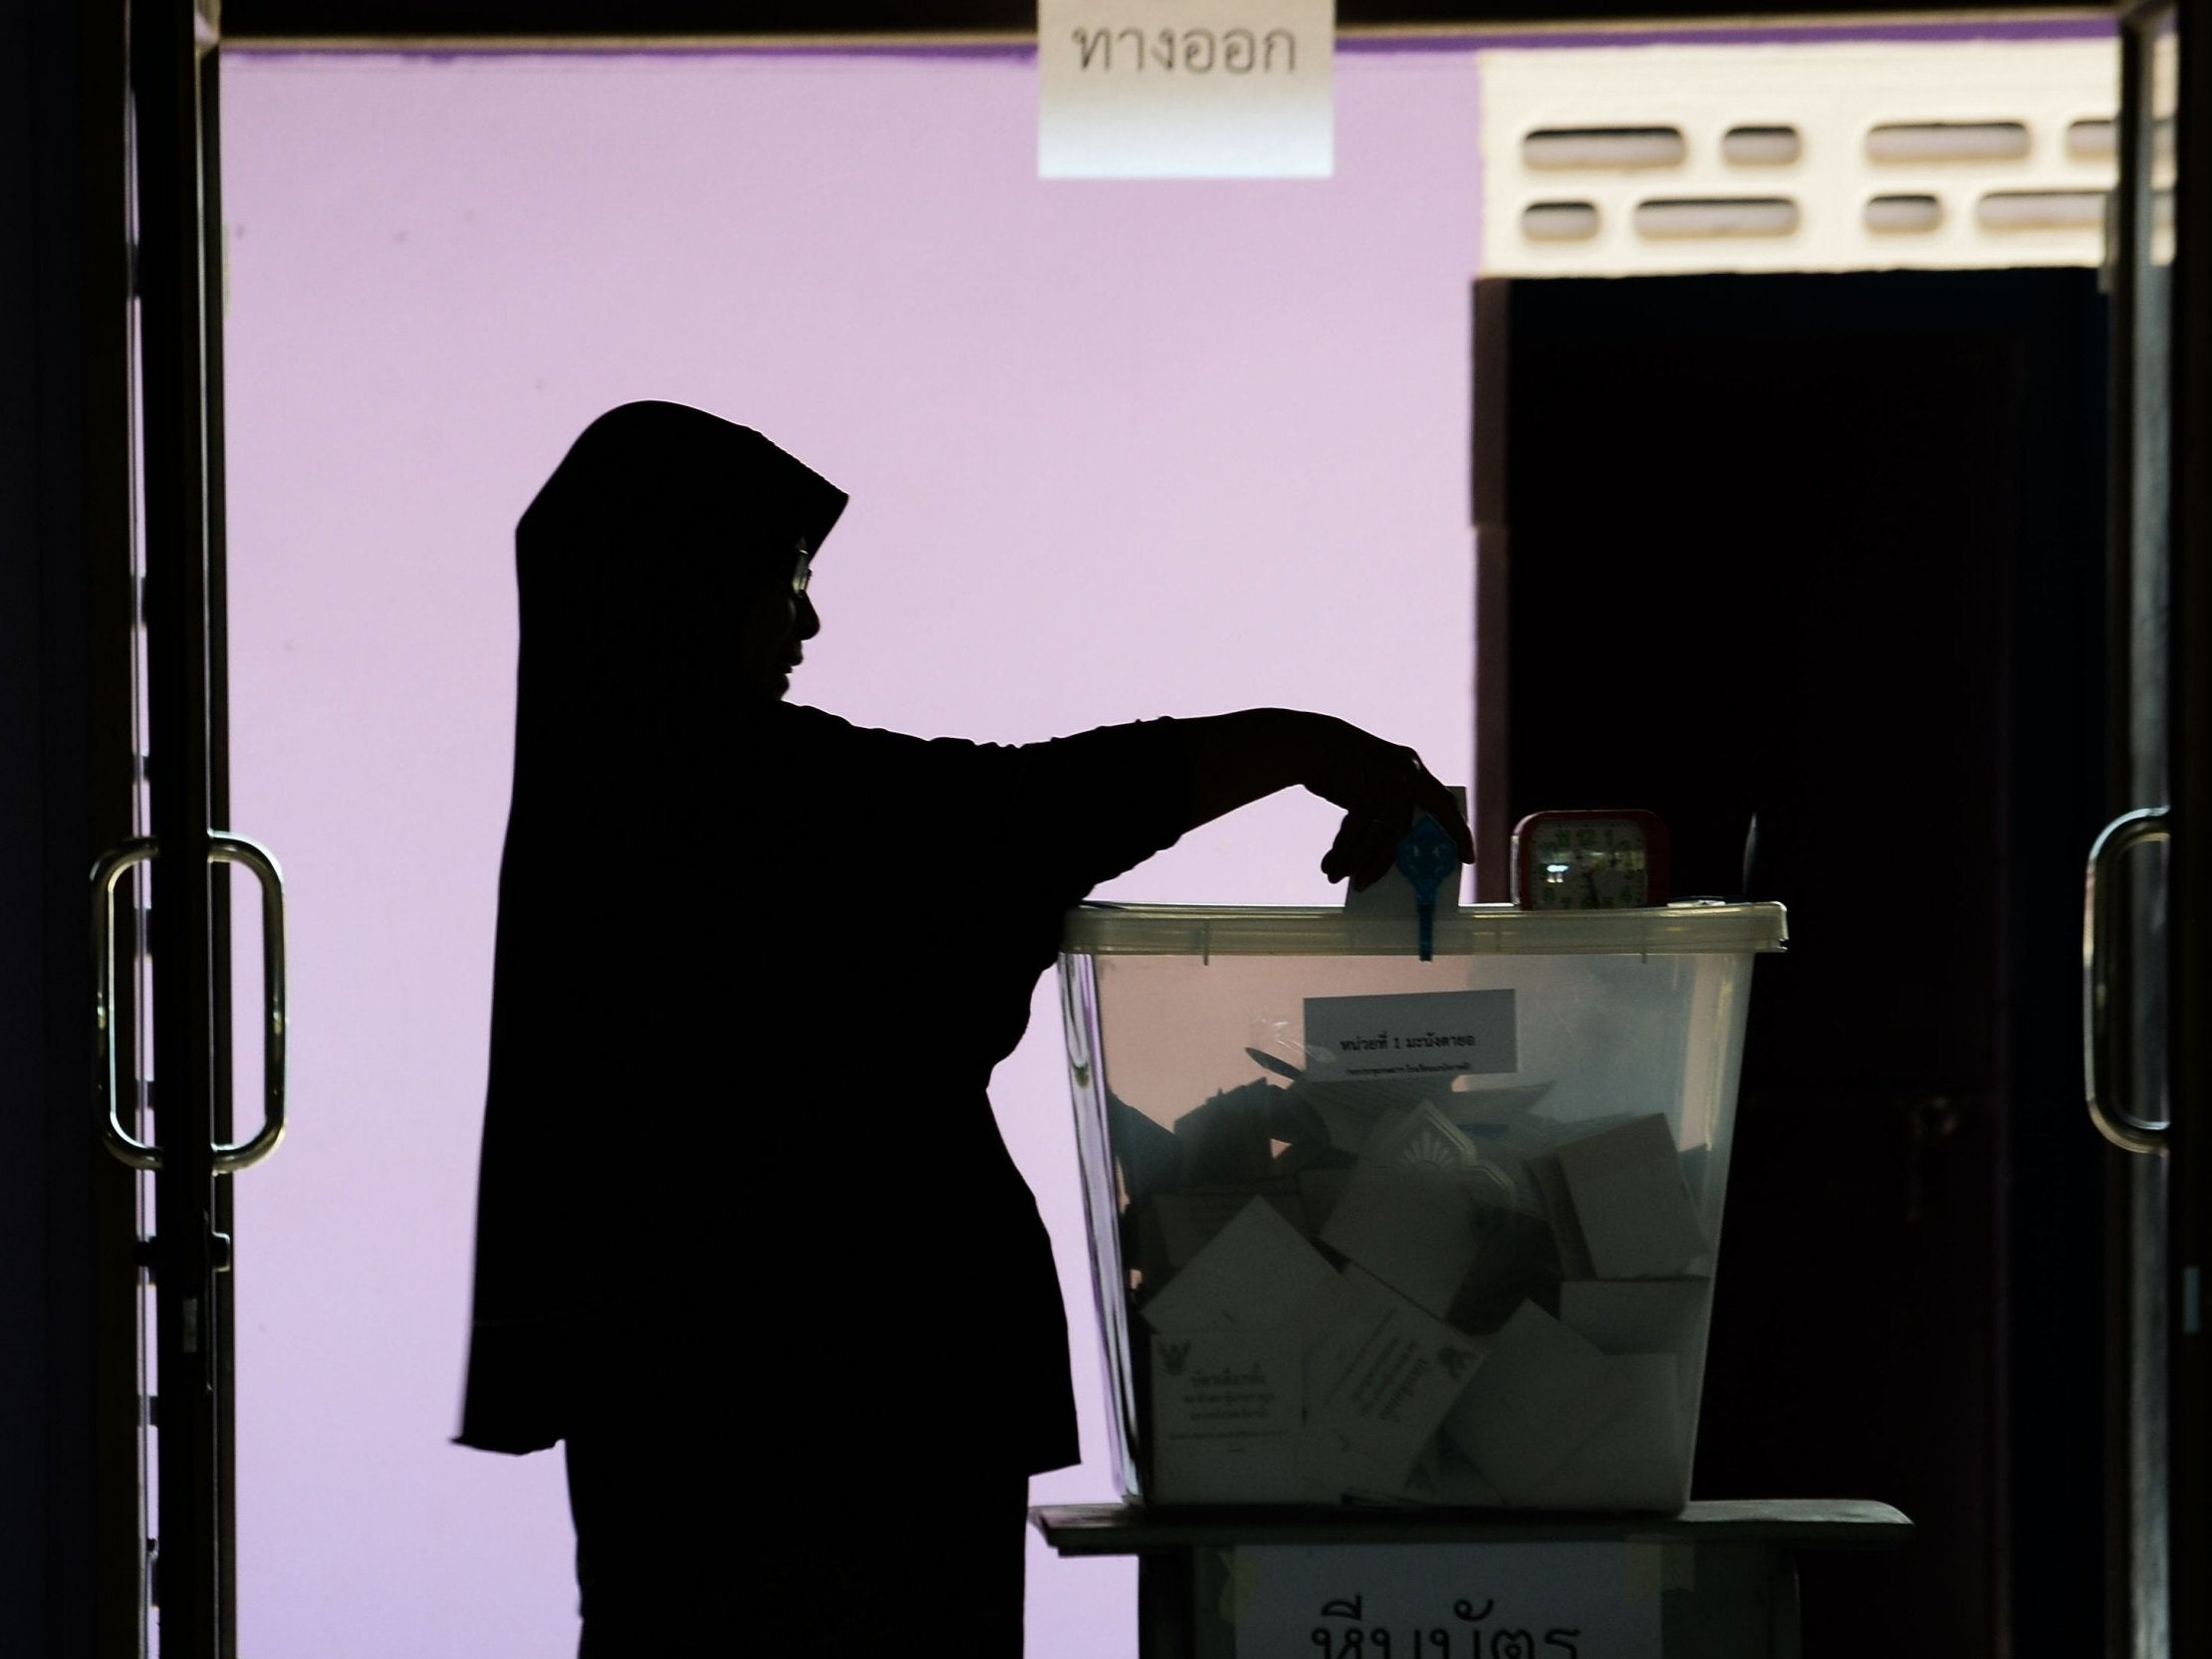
{"x":1239,"y":758}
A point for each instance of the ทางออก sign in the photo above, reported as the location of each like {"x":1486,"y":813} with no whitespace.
{"x":1185,"y":89}
{"x":1433,"y":1034}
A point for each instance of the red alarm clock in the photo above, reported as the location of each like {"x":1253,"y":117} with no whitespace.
{"x":1598,"y":859}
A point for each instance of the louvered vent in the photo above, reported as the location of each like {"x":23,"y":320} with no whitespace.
{"x":1617,"y":161}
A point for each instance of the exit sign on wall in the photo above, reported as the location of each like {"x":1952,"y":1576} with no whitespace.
{"x":1185,"y":89}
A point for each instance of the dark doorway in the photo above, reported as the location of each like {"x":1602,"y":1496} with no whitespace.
{"x":1829,"y":549}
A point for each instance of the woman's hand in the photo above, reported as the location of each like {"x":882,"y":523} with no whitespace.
{"x":1381,"y":785}
{"x":1239,"y":758}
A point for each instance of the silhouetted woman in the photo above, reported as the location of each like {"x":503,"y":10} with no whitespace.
{"x":748,"y":1240}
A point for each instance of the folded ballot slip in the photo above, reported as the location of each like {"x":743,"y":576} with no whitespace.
{"x":1374,"y":1228}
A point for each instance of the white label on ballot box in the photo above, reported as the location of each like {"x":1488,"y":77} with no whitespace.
{"x":1419,"y":1034}
{"x":1442,"y":1601}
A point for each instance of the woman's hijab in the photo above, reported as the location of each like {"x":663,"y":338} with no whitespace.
{"x":633,"y":562}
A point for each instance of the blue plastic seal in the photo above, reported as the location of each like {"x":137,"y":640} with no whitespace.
{"x":1426,"y":856}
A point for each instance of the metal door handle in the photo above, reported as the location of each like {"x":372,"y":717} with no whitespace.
{"x":106,"y":873}
{"x":236,"y":849}
{"x":2113,"y":1121}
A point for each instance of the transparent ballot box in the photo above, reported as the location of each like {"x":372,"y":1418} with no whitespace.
{"x":1372,"y":1229}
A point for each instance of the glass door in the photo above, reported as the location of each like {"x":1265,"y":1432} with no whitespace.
{"x":162,"y":969}
{"x":2145,"y":935}
{"x":2176,"y":50}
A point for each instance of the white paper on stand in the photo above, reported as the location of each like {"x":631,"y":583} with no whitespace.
{"x":1570,"y":1600}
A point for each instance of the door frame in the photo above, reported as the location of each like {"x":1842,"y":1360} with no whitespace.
{"x":72,"y":1529}
{"x":2189,"y":1041}
{"x":65,"y":612}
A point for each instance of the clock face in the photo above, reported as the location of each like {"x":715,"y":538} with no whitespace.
{"x":1589,"y":860}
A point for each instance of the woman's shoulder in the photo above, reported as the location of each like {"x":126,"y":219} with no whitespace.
{"x":802,"y":723}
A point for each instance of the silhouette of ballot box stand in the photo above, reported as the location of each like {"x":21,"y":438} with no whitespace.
{"x":1718,"y":1580}
{"x":1403,"y":1227}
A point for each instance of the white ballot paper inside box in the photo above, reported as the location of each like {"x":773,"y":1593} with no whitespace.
{"x":1253,"y":1275}
{"x":1412,"y":1229}
{"x":1226,"y":1409}
{"x":1542,"y":1392}
{"x":1633,"y":1207}
{"x":1379,"y":1382}
{"x":1637,"y":1315}
{"x":1633,"y":1459}
{"x":1413,"y":1034}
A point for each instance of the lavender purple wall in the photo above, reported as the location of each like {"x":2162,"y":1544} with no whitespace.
{"x":1115,"y":451}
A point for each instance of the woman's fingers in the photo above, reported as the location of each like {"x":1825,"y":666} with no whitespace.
{"x":1444,"y":805}
{"x":1379,"y":785}
{"x":1339,"y":861}
{"x":1363,"y":850}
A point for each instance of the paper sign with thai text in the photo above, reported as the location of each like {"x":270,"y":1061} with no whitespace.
{"x":1434,"y":1034}
{"x":1441,"y":1601}
{"x":1185,"y":89}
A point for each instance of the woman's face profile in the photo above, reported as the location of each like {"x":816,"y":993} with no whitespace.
{"x":778,"y":618}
